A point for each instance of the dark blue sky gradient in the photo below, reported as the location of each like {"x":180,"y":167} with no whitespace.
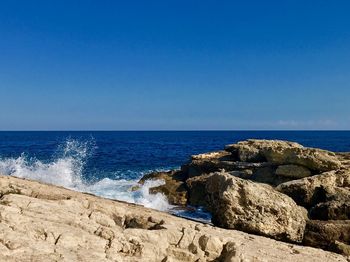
{"x":145,"y":65}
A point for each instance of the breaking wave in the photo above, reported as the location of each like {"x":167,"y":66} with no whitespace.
{"x":66,"y":169}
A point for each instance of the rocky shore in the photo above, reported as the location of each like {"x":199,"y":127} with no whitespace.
{"x":270,"y":201}
{"x":271,"y":188}
{"x":40,"y":222}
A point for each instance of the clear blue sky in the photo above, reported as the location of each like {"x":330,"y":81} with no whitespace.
{"x":121,"y":65}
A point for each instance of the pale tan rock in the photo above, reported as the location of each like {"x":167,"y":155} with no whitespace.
{"x":312,"y":190}
{"x":251,"y":207}
{"x":293,"y":171}
{"x":219,"y":155}
{"x":251,"y":150}
{"x":41,"y":222}
{"x":265,"y":161}
{"x":283,"y":152}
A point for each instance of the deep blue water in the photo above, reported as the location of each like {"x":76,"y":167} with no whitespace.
{"x":126,"y":153}
{"x":108,"y":163}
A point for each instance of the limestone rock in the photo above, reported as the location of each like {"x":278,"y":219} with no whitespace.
{"x":252,"y":150}
{"x":42,"y":222}
{"x":333,"y":235}
{"x":283,"y":152}
{"x":316,"y":189}
{"x":216,"y":155}
{"x":250,"y":207}
{"x":265,"y":161}
{"x":331,"y":210}
{"x":263,"y":172}
{"x":293,"y":171}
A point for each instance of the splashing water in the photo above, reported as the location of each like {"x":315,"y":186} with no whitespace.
{"x":67,"y":168}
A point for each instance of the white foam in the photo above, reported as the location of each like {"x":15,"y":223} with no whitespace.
{"x":60,"y":172}
{"x":122,"y":190}
{"x":66,"y":170}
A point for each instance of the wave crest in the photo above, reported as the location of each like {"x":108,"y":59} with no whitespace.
{"x":67,"y":167}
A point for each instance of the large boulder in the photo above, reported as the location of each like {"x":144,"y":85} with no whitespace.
{"x":283,"y":152}
{"x":333,"y":235}
{"x":252,"y":150}
{"x":251,"y":207}
{"x":313,"y":190}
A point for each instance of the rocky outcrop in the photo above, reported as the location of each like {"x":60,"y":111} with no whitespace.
{"x":283,"y":152}
{"x":316,"y":179}
{"x":266,"y":161}
{"x":42,"y":222}
{"x":332,"y":235}
{"x":253,"y":150}
{"x":310,"y":191}
{"x":251,"y":207}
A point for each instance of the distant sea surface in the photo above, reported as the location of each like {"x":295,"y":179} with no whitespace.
{"x":110,"y":163}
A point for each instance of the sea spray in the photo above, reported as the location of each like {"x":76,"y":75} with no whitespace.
{"x":121,"y":190}
{"x":66,"y":169}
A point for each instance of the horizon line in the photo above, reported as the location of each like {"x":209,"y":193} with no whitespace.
{"x":178,"y":130}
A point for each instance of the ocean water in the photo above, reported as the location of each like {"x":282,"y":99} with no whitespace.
{"x":108,"y":164}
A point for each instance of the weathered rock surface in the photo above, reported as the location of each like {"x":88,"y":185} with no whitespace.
{"x":316,"y":189}
{"x":250,"y":207}
{"x":316,"y":179}
{"x":252,"y":150}
{"x":293,"y":171}
{"x":331,"y":210}
{"x":283,"y":152}
{"x":266,"y":161}
{"x":41,"y":222}
{"x":331,"y":235}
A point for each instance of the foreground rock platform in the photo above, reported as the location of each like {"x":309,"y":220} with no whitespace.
{"x":40,"y":222}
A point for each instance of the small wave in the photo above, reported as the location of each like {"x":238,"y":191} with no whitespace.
{"x":66,"y":170}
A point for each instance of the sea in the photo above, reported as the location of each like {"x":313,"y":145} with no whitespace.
{"x":110,"y":163}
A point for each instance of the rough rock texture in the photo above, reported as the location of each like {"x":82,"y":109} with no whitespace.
{"x":252,"y":150}
{"x":250,"y":207}
{"x":331,"y":235}
{"x":41,"y":222}
{"x":283,"y":152}
{"x":265,"y":161}
{"x":174,"y":187}
{"x":316,"y":179}
{"x":316,"y":189}
{"x":263,"y":172}
{"x":327,"y":196}
{"x":293,"y":171}
{"x":331,"y":210}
